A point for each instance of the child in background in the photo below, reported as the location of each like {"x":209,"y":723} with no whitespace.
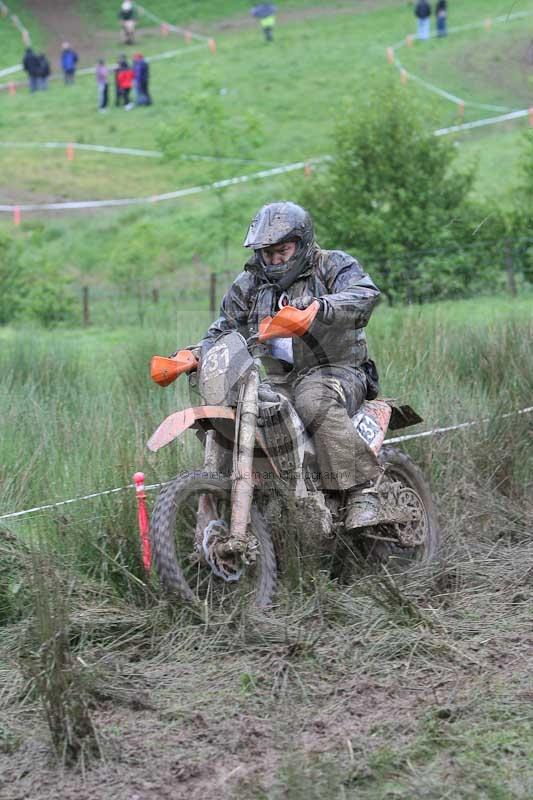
{"x":103,"y":86}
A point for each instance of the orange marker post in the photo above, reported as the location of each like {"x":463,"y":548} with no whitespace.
{"x":164,"y":29}
{"x":404,"y":77}
{"x":531,"y":116}
{"x":11,"y":88}
{"x":16,"y":216}
{"x":70,"y":152}
{"x":142,"y":517}
{"x":212,"y":45}
{"x":390,"y":55}
{"x":308,"y":169}
{"x":188,"y":37}
{"x":409,"y":40}
{"x":461,"y":108}
{"x":488,"y":25}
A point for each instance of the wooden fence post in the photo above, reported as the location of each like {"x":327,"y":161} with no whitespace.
{"x":213,"y":292}
{"x":511,"y":282}
{"x":86,"y":315}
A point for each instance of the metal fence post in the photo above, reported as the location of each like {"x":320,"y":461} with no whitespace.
{"x":85,"y":301}
{"x":213,"y":292}
{"x":511,"y":282}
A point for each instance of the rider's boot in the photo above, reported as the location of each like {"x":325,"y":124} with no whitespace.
{"x":362,"y":506}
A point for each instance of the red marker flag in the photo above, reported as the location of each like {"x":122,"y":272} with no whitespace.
{"x":142,"y":516}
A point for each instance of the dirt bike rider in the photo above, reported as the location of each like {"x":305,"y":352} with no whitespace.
{"x":322,"y":373}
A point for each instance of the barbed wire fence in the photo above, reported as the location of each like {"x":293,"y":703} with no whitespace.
{"x":135,"y":300}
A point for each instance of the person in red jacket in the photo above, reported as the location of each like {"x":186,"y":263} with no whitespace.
{"x":125,"y":77}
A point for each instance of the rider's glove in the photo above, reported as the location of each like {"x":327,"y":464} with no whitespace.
{"x":325,"y":313}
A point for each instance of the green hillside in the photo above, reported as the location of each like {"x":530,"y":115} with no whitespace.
{"x":323,"y":59}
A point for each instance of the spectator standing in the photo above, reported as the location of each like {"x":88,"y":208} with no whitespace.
{"x":127,"y":16}
{"x":103,"y":86}
{"x":43,"y":72}
{"x":69,"y":60}
{"x":423,"y":15}
{"x":141,"y":72}
{"x":30,"y":65}
{"x":441,"y":11}
{"x":265,"y":13}
{"x":122,"y":63}
{"x":125,"y":78}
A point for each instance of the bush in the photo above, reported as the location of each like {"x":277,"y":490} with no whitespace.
{"x":392,"y":196}
{"x":30,"y":288}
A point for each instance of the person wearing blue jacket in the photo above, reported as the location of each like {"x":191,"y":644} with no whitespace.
{"x":69,"y":60}
{"x":141,"y":72}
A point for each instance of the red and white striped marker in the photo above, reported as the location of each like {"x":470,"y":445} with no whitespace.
{"x":144,"y":524}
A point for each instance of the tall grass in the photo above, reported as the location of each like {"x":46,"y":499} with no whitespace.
{"x":76,"y":413}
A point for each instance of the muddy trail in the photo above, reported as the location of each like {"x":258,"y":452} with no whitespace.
{"x":341,"y":690}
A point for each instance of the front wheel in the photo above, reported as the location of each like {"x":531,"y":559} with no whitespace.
{"x":401,"y":543}
{"x":189,"y":514}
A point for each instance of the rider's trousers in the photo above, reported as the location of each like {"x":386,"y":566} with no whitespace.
{"x":326,"y":398}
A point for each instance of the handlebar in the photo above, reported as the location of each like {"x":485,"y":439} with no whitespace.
{"x":287,"y":323}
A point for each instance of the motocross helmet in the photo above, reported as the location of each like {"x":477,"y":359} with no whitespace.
{"x":277,"y":223}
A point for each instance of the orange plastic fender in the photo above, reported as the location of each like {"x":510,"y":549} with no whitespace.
{"x":174,"y":425}
{"x":288,"y":322}
{"x":165,"y":370}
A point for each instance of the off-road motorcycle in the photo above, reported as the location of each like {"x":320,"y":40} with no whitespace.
{"x":210,"y":531}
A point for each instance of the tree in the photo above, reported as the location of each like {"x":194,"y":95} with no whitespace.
{"x":390,"y":191}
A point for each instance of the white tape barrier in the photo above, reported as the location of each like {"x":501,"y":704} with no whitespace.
{"x":126,"y":151}
{"x":457,"y":29}
{"x":169,"y":27}
{"x":479,"y":123}
{"x":266,"y":173}
{"x":151,"y":487}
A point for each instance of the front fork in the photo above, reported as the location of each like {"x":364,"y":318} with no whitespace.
{"x":243,"y":487}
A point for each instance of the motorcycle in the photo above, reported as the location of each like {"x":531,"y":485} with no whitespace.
{"x":211,"y":530}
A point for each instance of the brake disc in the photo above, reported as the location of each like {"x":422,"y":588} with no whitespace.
{"x":413,"y":532}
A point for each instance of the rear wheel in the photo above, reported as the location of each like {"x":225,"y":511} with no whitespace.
{"x":418,"y":538}
{"x":184,"y":548}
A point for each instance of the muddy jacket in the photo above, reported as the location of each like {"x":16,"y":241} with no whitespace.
{"x":349,"y":296}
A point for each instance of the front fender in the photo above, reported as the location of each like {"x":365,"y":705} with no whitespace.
{"x":174,"y":425}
